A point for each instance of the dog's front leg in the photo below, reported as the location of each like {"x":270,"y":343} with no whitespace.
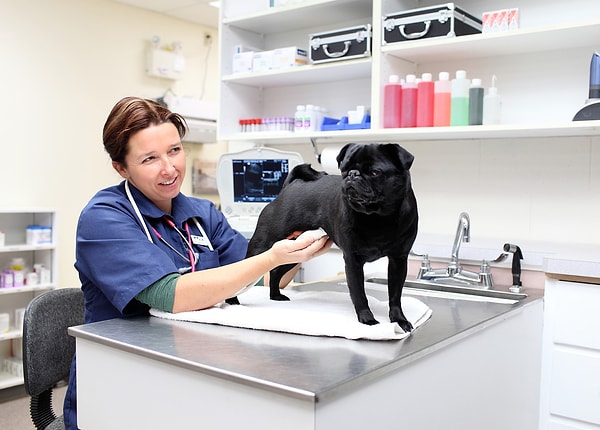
{"x":356,"y":286}
{"x":397,"y":269}
{"x":275,"y":279}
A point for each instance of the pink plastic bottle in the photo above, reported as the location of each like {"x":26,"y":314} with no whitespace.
{"x":392,"y":103}
{"x":442,"y":100}
{"x":409,"y":102}
{"x":425,"y":101}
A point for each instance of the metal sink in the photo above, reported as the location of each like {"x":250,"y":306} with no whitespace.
{"x":452,"y":289}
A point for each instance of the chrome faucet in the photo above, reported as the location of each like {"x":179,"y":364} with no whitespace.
{"x":454,"y":273}
{"x":463,"y":234}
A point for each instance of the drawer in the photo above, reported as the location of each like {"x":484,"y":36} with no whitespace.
{"x":575,"y":386}
{"x":576,"y":316}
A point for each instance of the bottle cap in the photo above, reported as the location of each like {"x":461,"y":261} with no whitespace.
{"x":475,"y":82}
{"x":461,"y":74}
{"x":426,"y":77}
{"x":394,"y":79}
{"x":411,"y":78}
{"x":444,"y":76}
{"x":300,"y":107}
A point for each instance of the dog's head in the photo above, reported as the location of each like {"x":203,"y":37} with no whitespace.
{"x":376,"y":177}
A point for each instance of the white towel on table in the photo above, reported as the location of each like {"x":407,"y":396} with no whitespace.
{"x":315,"y":313}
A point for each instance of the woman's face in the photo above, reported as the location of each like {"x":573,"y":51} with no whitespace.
{"x":155,"y":163}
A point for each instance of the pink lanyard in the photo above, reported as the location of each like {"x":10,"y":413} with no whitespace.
{"x":188,"y":242}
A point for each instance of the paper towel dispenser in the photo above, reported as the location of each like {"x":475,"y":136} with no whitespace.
{"x":200,"y":115}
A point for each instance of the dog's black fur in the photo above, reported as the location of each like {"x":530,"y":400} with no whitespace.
{"x":369,"y":212}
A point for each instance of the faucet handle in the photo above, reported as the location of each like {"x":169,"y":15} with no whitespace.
{"x":425,"y":266}
{"x":485,"y":275}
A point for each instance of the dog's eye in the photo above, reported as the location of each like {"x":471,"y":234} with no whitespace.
{"x":376,"y":172}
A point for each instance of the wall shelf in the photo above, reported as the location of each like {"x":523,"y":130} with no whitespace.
{"x":303,"y":75}
{"x":571,"y":129}
{"x":14,"y":223}
{"x":288,"y":18}
{"x":515,"y":42}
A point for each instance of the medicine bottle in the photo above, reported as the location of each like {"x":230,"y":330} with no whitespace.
{"x":392,"y":102}
{"x":476,"y":102}
{"x":441,"y":100}
{"x":308,"y":117}
{"x":459,"y":109}
{"x":408,"y":117}
{"x":425,"y":90}
{"x":299,"y":118}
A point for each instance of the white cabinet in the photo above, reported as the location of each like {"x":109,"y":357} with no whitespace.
{"x":571,"y":356}
{"x":542,"y":68}
{"x":14,"y":223}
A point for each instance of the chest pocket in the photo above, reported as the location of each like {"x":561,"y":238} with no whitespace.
{"x":208,"y":259}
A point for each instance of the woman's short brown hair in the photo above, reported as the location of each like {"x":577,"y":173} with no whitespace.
{"x":130,"y":115}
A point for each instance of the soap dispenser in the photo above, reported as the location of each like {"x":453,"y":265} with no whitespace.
{"x":492,"y":105}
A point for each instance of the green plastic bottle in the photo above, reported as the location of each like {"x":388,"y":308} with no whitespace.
{"x":459,"y":96}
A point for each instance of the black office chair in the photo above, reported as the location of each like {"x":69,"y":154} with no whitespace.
{"x":48,"y":350}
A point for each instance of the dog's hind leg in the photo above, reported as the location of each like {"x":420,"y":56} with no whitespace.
{"x":397,"y":269}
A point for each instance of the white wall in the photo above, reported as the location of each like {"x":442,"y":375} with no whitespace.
{"x":65,"y":64}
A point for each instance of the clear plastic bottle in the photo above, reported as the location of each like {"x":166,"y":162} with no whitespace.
{"x":441,"y":100}
{"x":299,"y":118}
{"x":425,"y":93}
{"x":392,"y":102}
{"x":476,"y":102}
{"x":408,"y":117}
{"x":492,"y":105}
{"x":459,"y":109}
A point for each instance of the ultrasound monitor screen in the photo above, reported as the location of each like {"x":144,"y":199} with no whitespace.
{"x":258,"y":181}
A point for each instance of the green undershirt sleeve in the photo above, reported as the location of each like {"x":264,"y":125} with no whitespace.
{"x":161,"y":294}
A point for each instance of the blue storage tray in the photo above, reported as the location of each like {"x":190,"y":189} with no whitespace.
{"x":330,"y":124}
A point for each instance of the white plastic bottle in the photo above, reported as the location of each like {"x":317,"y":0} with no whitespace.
{"x":459,"y":110}
{"x":492,"y":105}
{"x":309,"y":118}
{"x":299,"y":118}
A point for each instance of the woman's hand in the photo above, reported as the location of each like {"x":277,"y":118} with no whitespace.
{"x":299,"y":250}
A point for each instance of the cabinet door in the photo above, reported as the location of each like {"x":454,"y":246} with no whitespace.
{"x":576,"y":316}
{"x":575,"y":390}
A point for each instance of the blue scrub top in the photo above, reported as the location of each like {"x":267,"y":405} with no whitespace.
{"x":116,"y":261}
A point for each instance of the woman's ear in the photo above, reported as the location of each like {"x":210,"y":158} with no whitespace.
{"x":121,"y":170}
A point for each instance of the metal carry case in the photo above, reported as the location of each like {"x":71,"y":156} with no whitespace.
{"x":447,"y":20}
{"x":344,"y":44}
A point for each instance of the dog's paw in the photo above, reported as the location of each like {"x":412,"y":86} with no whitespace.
{"x":232,"y":301}
{"x":405,"y":325}
{"x":366,"y":317}
{"x":280,"y":297}
{"x":397,"y":316}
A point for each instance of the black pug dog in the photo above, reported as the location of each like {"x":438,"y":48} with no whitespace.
{"x":369,"y":212}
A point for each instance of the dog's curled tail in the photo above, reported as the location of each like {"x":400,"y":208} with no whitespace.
{"x":304,"y":172}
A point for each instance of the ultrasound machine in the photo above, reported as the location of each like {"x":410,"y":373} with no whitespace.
{"x":247,"y":181}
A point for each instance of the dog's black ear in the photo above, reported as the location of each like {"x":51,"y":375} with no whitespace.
{"x":396,"y":152}
{"x":346,"y":150}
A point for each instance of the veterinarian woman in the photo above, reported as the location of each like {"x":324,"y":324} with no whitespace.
{"x":143,"y":244}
